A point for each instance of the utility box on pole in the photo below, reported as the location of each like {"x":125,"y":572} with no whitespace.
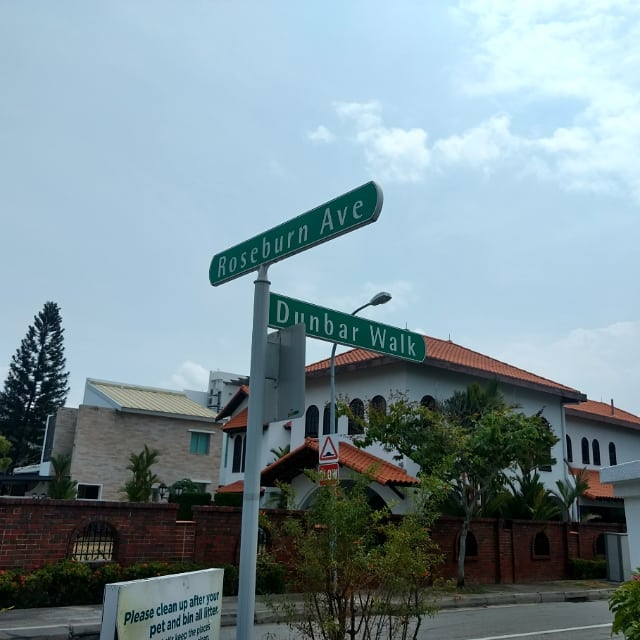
{"x":284,"y":384}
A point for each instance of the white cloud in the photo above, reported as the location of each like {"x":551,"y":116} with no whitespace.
{"x":321,"y":134}
{"x":479,"y":146}
{"x":394,"y":154}
{"x":602,"y":362}
{"x":190,"y":375}
{"x":582,"y":56}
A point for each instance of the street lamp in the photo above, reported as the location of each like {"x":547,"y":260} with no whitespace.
{"x":380,"y":298}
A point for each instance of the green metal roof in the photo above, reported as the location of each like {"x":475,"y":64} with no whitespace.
{"x":147,"y":399}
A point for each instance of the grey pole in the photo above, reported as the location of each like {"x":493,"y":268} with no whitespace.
{"x":251,"y":494}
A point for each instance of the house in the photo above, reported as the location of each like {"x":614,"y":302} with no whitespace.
{"x":367,"y":377}
{"x":116,"y":420}
{"x":599,"y":435}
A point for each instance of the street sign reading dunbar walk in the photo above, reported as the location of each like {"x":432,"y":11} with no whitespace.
{"x":334,"y":326}
{"x":330,"y":220}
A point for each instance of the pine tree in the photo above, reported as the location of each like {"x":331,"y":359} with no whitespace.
{"x":36,"y":386}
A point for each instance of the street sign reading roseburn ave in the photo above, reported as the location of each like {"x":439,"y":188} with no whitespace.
{"x":344,"y":328}
{"x":347,"y":212}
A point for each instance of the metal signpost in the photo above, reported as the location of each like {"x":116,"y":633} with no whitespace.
{"x":335,"y":326}
{"x":348,"y":212}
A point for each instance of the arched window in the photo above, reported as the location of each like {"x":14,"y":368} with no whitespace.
{"x":379,"y":404}
{"x":311,"y":422}
{"x":613,"y":458}
{"x":326,"y":421}
{"x":569,"y":449}
{"x":429,"y":402}
{"x":585,"y":451}
{"x":471,"y":546}
{"x":541,"y":545}
{"x":357,"y":410}
{"x":95,"y":543}
{"x":239,"y":452}
{"x":595,"y":446}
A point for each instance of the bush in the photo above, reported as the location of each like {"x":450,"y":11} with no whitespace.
{"x":624,"y":603}
{"x":581,"y":569}
{"x":271,"y":577}
{"x":69,"y":582}
{"x":188,"y":500}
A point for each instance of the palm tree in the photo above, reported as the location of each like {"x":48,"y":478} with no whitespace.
{"x":568,"y":493}
{"x":280,"y":452}
{"x":139,"y":487}
{"x":62,"y":487}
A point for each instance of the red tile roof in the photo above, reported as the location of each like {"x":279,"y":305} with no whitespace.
{"x":239,"y":421}
{"x":360,"y":461}
{"x":605,"y":413}
{"x":446,"y":354}
{"x":596,"y":488}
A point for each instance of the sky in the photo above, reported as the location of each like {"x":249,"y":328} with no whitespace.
{"x":140,"y":138}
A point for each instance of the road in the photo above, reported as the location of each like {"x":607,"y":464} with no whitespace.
{"x":547,"y":621}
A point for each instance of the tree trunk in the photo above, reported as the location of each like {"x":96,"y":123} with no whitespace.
{"x":462,"y":547}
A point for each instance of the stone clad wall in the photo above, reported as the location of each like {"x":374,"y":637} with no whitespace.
{"x":34,"y":533}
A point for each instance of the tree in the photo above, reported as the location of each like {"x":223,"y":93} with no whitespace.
{"x":62,"y":487}
{"x":36,"y":386}
{"x":139,"y":487}
{"x":280,"y":452}
{"x":471,"y":442}
{"x":568,"y":492}
{"x":5,"y":460}
{"x":362,"y":573}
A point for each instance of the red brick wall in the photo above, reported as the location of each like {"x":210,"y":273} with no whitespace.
{"x":34,"y":533}
{"x":39,"y":532}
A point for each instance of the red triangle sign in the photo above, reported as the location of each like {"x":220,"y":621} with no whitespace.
{"x":329,"y":452}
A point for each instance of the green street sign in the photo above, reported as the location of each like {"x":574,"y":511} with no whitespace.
{"x":335,"y":326}
{"x":343,"y":214}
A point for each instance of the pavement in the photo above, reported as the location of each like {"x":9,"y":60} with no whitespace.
{"x":83,"y":622}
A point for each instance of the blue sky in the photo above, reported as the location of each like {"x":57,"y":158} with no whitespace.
{"x":138,"y":139}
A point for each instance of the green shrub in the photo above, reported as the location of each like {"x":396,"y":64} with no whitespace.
{"x":624,"y":603}
{"x":230,"y":581}
{"x":271,"y":577}
{"x":9,"y":588}
{"x":581,"y":569}
{"x":68,"y":581}
{"x":188,"y":500}
{"x":227,"y":499}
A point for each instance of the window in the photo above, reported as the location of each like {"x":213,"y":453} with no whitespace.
{"x":429,"y":402}
{"x":569,"y":449}
{"x":613,"y":459}
{"x":326,"y":421}
{"x":239,"y":452}
{"x":599,"y":545}
{"x":200,"y":443}
{"x":89,"y":492}
{"x":470,"y":549}
{"x":357,"y":410}
{"x":379,"y":404}
{"x":541,"y":545}
{"x":595,"y":446}
{"x":311,"y":421}
{"x":95,"y":543}
{"x":585,"y":451}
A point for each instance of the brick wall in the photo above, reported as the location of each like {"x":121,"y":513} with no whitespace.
{"x":39,"y":532}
